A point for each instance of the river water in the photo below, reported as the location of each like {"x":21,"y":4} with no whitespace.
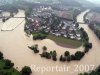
{"x":14,"y":44}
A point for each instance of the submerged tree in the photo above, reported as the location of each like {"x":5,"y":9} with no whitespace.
{"x":34,"y":48}
{"x":44,"y":48}
{"x":1,"y":55}
{"x":63,"y":59}
{"x":67,"y":53}
{"x":26,"y":70}
{"x":79,"y":55}
{"x":54,"y":55}
{"x":8,"y":64}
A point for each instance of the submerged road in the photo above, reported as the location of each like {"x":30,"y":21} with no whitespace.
{"x":14,"y":44}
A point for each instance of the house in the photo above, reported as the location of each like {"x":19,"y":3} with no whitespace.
{"x":46,"y":21}
{"x":71,"y":29}
{"x":78,"y":38}
{"x":78,"y":35}
{"x":72,"y":37}
{"x":65,"y":36}
{"x":64,"y":27}
{"x":57,"y":34}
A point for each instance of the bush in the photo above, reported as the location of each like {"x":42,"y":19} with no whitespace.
{"x":50,"y":55}
{"x":84,"y":35}
{"x":8,"y":64}
{"x":39,"y":36}
{"x":1,"y":55}
{"x":46,"y":55}
{"x":44,"y":48}
{"x":63,"y":59}
{"x":66,"y":53}
{"x":26,"y":70}
{"x":34,"y":48}
{"x":87,"y":47}
{"x":73,"y":57}
{"x":69,"y":58}
{"x":79,"y":55}
{"x":54,"y":55}
{"x":51,"y":52}
{"x":54,"y":58}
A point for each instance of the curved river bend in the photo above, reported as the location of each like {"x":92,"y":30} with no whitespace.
{"x":14,"y":46}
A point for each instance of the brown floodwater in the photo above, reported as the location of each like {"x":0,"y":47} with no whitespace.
{"x":14,"y":44}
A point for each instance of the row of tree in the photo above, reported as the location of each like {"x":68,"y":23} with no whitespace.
{"x":85,"y":40}
{"x":77,"y":56}
{"x":49,"y":55}
{"x":65,"y":57}
{"x":84,"y":35}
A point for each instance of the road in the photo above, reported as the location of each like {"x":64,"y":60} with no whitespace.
{"x":14,"y":44}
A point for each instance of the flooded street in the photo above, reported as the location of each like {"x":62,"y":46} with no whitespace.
{"x":14,"y":44}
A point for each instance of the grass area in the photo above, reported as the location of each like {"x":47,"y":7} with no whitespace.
{"x":12,"y":70}
{"x":65,"y":42}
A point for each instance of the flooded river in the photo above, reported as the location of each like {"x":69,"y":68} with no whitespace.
{"x":14,"y":44}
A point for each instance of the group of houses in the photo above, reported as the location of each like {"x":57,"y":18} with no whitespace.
{"x":53,"y":25}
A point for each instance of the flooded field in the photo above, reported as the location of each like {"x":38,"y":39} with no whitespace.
{"x":13,"y":22}
{"x":14,"y":46}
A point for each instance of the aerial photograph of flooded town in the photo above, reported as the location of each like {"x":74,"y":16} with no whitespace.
{"x":49,"y":37}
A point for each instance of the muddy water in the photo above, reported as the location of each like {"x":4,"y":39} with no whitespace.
{"x":14,"y":46}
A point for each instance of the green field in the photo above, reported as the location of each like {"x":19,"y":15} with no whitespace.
{"x":65,"y":42}
{"x":11,"y":71}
